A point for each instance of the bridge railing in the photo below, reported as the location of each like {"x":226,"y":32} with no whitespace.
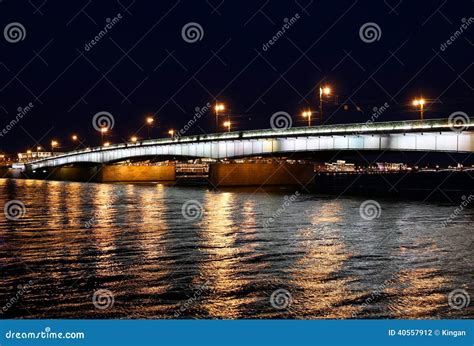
{"x":357,"y":128}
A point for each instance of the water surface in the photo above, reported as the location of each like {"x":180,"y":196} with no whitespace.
{"x":251,"y":254}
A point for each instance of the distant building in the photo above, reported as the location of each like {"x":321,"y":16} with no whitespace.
{"x":391,"y":167}
{"x":338,"y":166}
{"x":34,"y":155}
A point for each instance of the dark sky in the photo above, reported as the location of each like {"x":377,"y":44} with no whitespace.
{"x":143,"y":65}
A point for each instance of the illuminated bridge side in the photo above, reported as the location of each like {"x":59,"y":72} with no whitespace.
{"x":427,"y":136}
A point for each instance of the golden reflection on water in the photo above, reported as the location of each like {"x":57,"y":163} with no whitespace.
{"x":219,"y":234}
{"x":323,"y":295}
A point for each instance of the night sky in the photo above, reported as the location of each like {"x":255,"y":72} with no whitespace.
{"x":142,"y":65}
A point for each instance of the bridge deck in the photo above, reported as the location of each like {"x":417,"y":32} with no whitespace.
{"x":376,"y":136}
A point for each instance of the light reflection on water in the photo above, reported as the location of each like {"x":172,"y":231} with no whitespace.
{"x":158,"y":264}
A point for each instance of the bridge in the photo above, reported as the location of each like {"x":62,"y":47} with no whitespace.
{"x":436,"y":135}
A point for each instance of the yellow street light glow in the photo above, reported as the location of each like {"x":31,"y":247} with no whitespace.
{"x":74,"y":137}
{"x":28,"y":152}
{"x":134,"y":139}
{"x":171,"y":133}
{"x":150,"y":120}
{"x":326,"y":90}
{"x":219,"y":107}
{"x":54,"y":143}
{"x":227,"y":124}
{"x":106,"y":144}
{"x":38,"y":148}
{"x":418,"y":102}
{"x":104,"y":129}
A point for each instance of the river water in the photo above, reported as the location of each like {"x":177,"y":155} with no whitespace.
{"x":85,"y":250}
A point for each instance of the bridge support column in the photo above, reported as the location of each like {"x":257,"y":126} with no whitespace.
{"x":260,"y":174}
{"x":112,"y":173}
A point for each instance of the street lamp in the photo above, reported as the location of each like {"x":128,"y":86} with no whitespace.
{"x":419,"y":102}
{"x":149,"y":122}
{"x":227,"y":124}
{"x":134,"y":139}
{"x":308,"y":115}
{"x":106,"y":144}
{"x":103,"y":131}
{"x":323,"y":91}
{"x":171,"y":133}
{"x":218,"y":108}
{"x":74,"y":138}
{"x":53,"y":145}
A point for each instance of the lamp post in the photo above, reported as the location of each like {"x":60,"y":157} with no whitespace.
{"x":227,"y":124}
{"x":171,"y":133}
{"x":149,"y":122}
{"x":134,"y":139}
{"x":218,"y":107}
{"x":103,"y":131}
{"x":307,"y":114}
{"x":53,"y":145}
{"x":420,"y":102}
{"x":323,"y":91}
